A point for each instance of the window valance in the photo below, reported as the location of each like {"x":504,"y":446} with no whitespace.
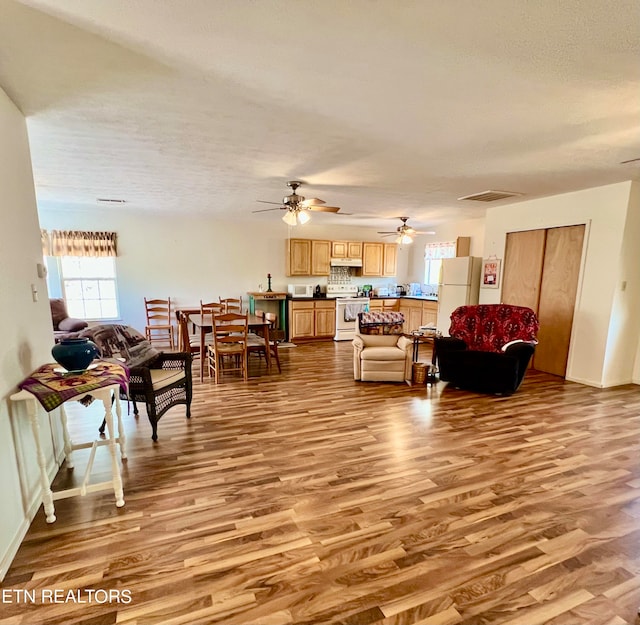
{"x":78,"y":243}
{"x":435,"y":251}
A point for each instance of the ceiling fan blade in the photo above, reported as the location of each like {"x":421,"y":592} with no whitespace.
{"x":424,"y":232}
{"x":312,"y":201}
{"x":387,"y":234}
{"x":326,"y":209}
{"x":264,"y":210}
{"x":265,"y":202}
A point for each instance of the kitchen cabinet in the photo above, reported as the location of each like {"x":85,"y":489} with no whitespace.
{"x":390,"y":259}
{"x":308,"y":257}
{"x":429,"y":313}
{"x":312,"y":257}
{"x":325,"y":319}
{"x":298,"y":257}
{"x":379,"y":259}
{"x":320,"y":258}
{"x":346,"y":249}
{"x":310,"y":320}
{"x":384,"y":305}
{"x":372,"y":259}
{"x":418,"y":313}
{"x":412,"y":311}
{"x":463,"y":246}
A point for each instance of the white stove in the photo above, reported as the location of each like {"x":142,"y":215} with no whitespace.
{"x":342,"y":290}
{"x":347,"y":309}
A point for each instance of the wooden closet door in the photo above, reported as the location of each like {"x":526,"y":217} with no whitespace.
{"x":523,"y":258}
{"x":558,"y":289}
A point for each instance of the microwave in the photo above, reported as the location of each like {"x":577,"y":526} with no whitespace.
{"x":300,"y":290}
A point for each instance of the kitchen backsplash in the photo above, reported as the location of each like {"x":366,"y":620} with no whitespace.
{"x":340,"y":275}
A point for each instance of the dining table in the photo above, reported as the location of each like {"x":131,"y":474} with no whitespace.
{"x":204,"y":323}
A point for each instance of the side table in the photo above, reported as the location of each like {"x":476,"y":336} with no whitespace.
{"x":418,"y":339}
{"x":105,"y":385}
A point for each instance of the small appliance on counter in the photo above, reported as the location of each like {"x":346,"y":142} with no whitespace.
{"x":400,"y":291}
{"x":381,"y":291}
{"x":301,"y":290}
{"x":317,"y":292}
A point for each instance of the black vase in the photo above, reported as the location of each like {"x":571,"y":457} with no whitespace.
{"x":75,"y":354}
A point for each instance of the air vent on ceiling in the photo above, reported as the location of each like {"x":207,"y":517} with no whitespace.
{"x":490,"y":196}
{"x":106,"y":200}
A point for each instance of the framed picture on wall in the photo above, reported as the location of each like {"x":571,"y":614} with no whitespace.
{"x":491,"y":272}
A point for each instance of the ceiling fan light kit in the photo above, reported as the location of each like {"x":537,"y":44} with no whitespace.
{"x":404,"y":234}
{"x":297,"y":206}
{"x":295,"y":217}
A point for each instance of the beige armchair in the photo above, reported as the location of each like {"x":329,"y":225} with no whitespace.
{"x":378,"y":354}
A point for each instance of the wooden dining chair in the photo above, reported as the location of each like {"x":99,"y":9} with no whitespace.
{"x":211,"y":308}
{"x":231,"y":304}
{"x":257,"y":344}
{"x":159,"y":328}
{"x":187,"y":341}
{"x":272,"y":318}
{"x":228,"y":351}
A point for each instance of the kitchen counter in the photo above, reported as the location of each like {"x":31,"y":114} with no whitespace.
{"x":422,"y":298}
{"x":311,"y":299}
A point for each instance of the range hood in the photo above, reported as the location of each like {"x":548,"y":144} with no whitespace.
{"x":346,"y":262}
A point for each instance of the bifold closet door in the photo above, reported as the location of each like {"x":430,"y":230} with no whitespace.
{"x":524,"y":255}
{"x":558,"y":289}
{"x":541,"y":269}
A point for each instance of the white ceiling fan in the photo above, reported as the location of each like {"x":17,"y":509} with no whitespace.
{"x":297,"y":206}
{"x":404,"y":234}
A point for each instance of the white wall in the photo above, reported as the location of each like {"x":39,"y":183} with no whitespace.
{"x":25,"y":332}
{"x":193,"y":258}
{"x":605,"y":211}
{"x":623,"y":341}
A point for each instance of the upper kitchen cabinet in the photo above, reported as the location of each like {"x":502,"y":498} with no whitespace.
{"x":390,"y":259}
{"x":320,"y":258}
{"x":379,"y":259}
{"x":372,"y":259}
{"x":346,"y":249}
{"x":298,"y":260}
{"x":308,"y":257}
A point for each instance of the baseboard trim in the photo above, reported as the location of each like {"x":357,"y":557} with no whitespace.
{"x":12,"y":550}
{"x":599,"y":384}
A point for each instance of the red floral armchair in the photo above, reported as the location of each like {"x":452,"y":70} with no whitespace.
{"x":489,"y":347}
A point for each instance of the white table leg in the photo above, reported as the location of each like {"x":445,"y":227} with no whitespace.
{"x":68,"y":443}
{"x":115,"y":469}
{"x":122,"y":439}
{"x":47,"y":494}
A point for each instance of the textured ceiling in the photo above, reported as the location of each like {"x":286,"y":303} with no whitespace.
{"x":382,"y":107}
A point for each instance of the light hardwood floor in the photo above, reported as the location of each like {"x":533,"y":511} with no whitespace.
{"x":309,"y":498}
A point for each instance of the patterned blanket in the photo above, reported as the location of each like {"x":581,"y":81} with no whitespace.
{"x":52,"y":389}
{"x":380,"y":322}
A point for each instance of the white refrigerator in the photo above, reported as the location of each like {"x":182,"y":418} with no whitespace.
{"x":459,"y":285}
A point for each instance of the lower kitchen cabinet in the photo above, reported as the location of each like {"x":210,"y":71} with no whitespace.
{"x":429,"y":313}
{"x":309,"y":320}
{"x":384,"y":305}
{"x":418,"y":313}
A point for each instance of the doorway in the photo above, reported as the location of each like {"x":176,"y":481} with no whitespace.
{"x":541,"y":271}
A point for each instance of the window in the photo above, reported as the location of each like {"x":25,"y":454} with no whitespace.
{"x":433,"y":255}
{"x":89,"y":286}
